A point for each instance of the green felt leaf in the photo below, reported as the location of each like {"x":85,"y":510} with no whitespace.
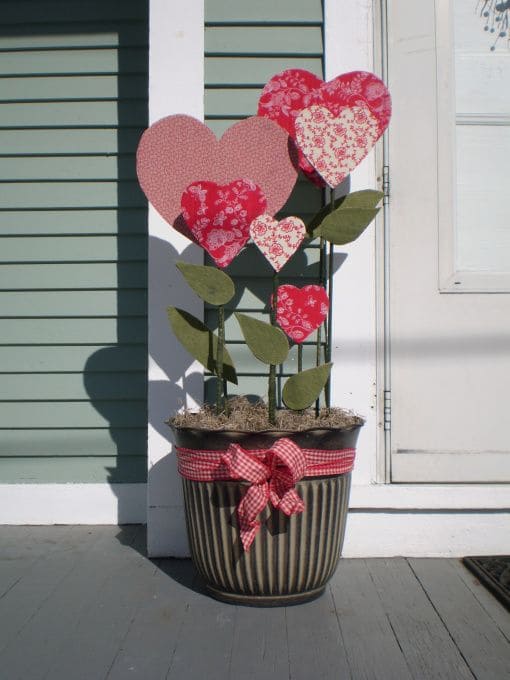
{"x":346,"y":224}
{"x":268,"y":343}
{"x":302,"y":389}
{"x":200,"y":342}
{"x":367,"y":199}
{"x":209,"y":283}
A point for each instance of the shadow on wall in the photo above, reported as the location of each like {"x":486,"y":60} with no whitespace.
{"x":124,"y":404}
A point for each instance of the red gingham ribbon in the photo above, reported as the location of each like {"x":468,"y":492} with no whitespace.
{"x":272,"y":473}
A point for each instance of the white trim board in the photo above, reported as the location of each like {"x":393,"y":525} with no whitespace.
{"x":428,"y":534}
{"x":73,"y":503}
{"x":431,"y":497}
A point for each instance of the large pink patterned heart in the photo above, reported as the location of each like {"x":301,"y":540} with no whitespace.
{"x":178,"y":150}
{"x":219,"y":216}
{"x":300,"y":311}
{"x":289,"y":92}
{"x":277,"y":241}
{"x":336,"y":145}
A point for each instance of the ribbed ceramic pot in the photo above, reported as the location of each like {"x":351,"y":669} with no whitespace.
{"x":292,"y":558}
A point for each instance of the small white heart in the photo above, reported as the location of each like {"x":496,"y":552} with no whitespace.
{"x":277,"y":241}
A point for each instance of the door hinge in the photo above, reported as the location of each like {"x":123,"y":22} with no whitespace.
{"x":387,"y":410}
{"x":386,"y":184}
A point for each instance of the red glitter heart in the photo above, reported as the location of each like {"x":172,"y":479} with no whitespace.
{"x":219,"y":215}
{"x":300,"y":311}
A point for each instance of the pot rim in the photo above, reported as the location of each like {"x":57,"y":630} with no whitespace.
{"x":269,"y":432}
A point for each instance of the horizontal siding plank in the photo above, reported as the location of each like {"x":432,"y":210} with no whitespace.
{"x":74,"y":386}
{"x":97,"y":442}
{"x":73,"y":248}
{"x":75,"y":222}
{"x":232,"y":329}
{"x":302,"y":265}
{"x":73,"y":331}
{"x":94,"y":275}
{"x":74,"y":87}
{"x":73,"y":470}
{"x":245,"y":363}
{"x":93,"y":141}
{"x":255,"y":292}
{"x":93,"y":60}
{"x":249,"y":386}
{"x":69,"y":114}
{"x":37,"y":359}
{"x":236,"y":101}
{"x":86,"y":35}
{"x":96,"y":303}
{"x":263,"y":40}
{"x":71,"y":195}
{"x":90,"y":168}
{"x":254,"y":70}
{"x":53,"y":11}
{"x":34,"y":414}
{"x":285,"y":11}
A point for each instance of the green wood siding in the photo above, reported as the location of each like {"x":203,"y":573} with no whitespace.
{"x":246,"y":43}
{"x":73,"y":241}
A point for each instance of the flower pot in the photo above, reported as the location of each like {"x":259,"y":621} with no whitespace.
{"x":292,"y":557}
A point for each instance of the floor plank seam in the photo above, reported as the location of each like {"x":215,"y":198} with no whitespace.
{"x":288,"y":648}
{"x":177,"y":640}
{"x":329,"y":590}
{"x":371,"y":576}
{"x":463,"y":656}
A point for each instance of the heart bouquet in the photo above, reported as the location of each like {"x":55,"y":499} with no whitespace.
{"x":222,"y":194}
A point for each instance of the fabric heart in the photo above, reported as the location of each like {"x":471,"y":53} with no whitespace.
{"x":300,"y":311}
{"x":178,"y":150}
{"x":336,"y":145}
{"x":219,"y":216}
{"x":277,"y":241}
{"x":289,"y":92}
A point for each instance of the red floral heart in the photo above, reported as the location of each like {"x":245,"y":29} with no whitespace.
{"x":300,"y":311}
{"x":219,"y":216}
{"x":289,"y":92}
{"x":178,"y":150}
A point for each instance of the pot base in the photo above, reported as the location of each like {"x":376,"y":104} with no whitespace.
{"x":265,"y":600}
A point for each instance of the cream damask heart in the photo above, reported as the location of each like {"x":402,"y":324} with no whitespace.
{"x":277,"y":241}
{"x":335,"y":145}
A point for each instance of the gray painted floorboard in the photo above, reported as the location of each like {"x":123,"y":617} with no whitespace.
{"x":86,"y":603}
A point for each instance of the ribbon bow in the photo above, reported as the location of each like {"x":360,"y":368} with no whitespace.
{"x":272,"y":476}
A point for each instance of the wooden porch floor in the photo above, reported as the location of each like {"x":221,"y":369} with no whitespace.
{"x":86,"y":603}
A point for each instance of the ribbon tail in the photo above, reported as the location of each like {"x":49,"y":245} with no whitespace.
{"x":251,"y":505}
{"x":248,"y":536}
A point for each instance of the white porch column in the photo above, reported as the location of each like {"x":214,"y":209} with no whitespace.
{"x":176,"y":85}
{"x":349,"y":47}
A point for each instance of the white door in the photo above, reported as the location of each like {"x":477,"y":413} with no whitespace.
{"x":449,"y":158}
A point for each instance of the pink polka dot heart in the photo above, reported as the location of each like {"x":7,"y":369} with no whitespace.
{"x":300,"y":311}
{"x":277,"y":241}
{"x":219,"y":216}
{"x":178,"y":150}
{"x":336,"y":145}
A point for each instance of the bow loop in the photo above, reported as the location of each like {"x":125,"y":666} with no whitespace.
{"x":272,"y":478}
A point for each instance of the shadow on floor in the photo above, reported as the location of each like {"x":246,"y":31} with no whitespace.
{"x":180,"y":570}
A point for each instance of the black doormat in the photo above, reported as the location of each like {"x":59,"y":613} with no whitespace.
{"x":494,"y":573}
